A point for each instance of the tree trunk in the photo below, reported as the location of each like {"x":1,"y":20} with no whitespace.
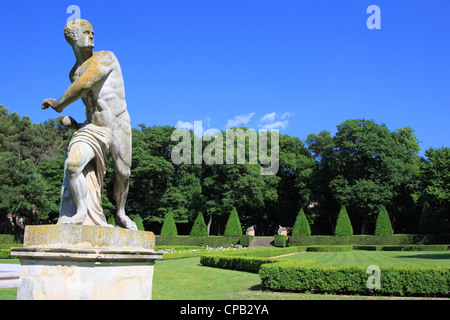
{"x":364,"y":225}
{"x":209,"y":223}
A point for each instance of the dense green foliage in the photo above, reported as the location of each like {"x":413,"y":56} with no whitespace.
{"x":383,"y":225}
{"x":301,"y":225}
{"x":363,"y":166}
{"x":427,"y":222}
{"x":343,"y":224}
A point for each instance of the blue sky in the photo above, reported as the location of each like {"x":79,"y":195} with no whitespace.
{"x":295,"y":65}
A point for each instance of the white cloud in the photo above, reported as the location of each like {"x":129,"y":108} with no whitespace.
{"x":287,"y":115}
{"x":273,"y":121}
{"x":270,"y":117}
{"x":184,"y":125}
{"x":240,"y":120}
{"x":275,"y":125}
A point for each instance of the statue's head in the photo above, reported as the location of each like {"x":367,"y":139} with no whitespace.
{"x":80,"y":33}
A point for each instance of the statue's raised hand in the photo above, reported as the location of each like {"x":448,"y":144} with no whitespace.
{"x":50,"y":103}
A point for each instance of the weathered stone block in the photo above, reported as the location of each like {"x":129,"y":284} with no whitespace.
{"x":86,"y":263}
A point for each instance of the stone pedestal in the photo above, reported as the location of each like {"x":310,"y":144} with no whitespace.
{"x":73,"y":262}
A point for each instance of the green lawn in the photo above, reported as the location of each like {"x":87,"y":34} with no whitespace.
{"x":379,"y":258}
{"x":186,"y":279}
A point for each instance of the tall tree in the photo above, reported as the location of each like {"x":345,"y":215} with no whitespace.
{"x":23,"y":191}
{"x":365,"y":166}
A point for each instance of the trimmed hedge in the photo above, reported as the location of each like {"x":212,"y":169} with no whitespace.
{"x":247,"y":264}
{"x":5,"y":254}
{"x":7,"y":238}
{"x":245,"y":240}
{"x":249,"y":260}
{"x":329,"y":248}
{"x":395,"y":280}
{"x":210,"y":241}
{"x":280,"y":240}
{"x":396,"y":239}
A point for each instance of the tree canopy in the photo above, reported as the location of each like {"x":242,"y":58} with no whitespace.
{"x":363,"y":166}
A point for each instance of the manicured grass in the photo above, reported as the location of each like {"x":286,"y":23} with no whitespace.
{"x":186,"y":279}
{"x":379,"y":258}
{"x":8,"y":294}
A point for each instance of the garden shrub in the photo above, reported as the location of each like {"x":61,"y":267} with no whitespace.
{"x":249,"y":260}
{"x":383,"y":224}
{"x":245,"y":240}
{"x":212,"y":241}
{"x":395,"y":280}
{"x":301,"y":225}
{"x":395,"y":239}
{"x":280,"y":241}
{"x":169,"y":228}
{"x":343,"y":224}
{"x":199,"y":228}
{"x":139,"y":222}
{"x":5,"y":254}
{"x":6,"y":238}
{"x":233,"y":227}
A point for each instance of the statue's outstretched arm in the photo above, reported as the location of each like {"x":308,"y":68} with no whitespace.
{"x":96,"y":72}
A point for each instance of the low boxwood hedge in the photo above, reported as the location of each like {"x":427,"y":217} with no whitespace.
{"x":242,"y":263}
{"x":394,"y":280}
{"x":5,"y":254}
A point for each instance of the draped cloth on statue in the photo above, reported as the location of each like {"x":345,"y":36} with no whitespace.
{"x":99,"y":139}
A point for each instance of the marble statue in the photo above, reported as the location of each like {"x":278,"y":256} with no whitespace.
{"x":96,"y":79}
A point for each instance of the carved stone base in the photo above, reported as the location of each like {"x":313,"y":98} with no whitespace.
{"x":72,"y":262}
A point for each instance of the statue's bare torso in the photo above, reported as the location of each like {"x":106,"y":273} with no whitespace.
{"x":105,"y":101}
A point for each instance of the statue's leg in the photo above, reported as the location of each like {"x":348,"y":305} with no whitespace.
{"x":121,"y":154}
{"x":79,"y":156}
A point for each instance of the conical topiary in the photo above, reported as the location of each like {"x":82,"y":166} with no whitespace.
{"x":301,"y":225}
{"x":139,"y":222}
{"x":199,"y":228}
{"x":169,"y":228}
{"x":383,"y":224}
{"x":343,"y":224}
{"x":233,"y":227}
